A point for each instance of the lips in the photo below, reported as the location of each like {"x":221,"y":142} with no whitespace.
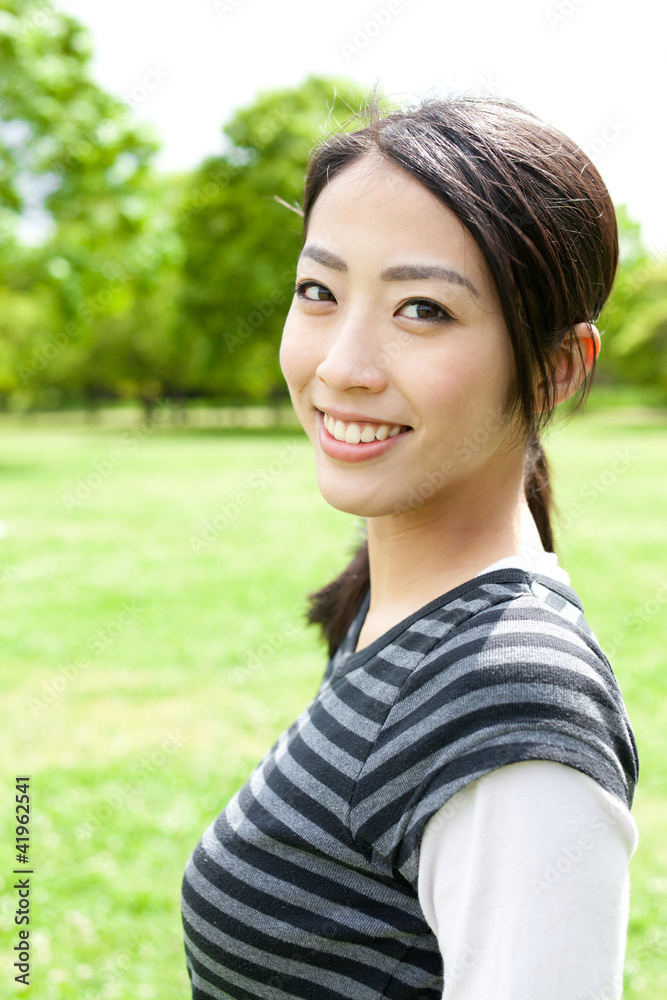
{"x":355,"y":440}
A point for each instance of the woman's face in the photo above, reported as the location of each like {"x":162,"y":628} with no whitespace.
{"x":395,"y":343}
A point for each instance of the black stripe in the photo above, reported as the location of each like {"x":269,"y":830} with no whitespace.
{"x":373,"y":832}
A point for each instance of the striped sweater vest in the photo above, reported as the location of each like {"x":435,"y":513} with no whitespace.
{"x":305,"y":886}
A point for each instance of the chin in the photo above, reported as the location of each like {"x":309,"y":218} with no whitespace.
{"x":361,"y":502}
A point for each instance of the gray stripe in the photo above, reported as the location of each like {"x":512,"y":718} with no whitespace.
{"x":531,"y":625}
{"x":347,"y":717}
{"x":355,"y":879}
{"x":331,"y":752}
{"x":429,"y":626}
{"x":283,"y":891}
{"x":330,"y":979}
{"x":470,"y":667}
{"x":508,"y":695}
{"x":306,"y":828}
{"x":400,"y":657}
{"x":374,"y":688}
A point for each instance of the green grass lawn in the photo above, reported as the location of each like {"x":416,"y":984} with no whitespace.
{"x":153,"y":648}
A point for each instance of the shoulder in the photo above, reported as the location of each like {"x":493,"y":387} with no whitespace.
{"x":517,"y":834}
{"x":533,"y":792}
{"x":517,"y":674}
{"x":512,"y":621}
{"x":504,"y":670}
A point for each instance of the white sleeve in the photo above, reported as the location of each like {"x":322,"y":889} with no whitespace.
{"x":523,"y":879}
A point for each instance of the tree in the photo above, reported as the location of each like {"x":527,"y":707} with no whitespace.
{"x":241,"y":245}
{"x":635,"y":318}
{"x":72,"y":156}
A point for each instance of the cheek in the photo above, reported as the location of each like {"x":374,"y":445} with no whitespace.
{"x":450,"y":383}
{"x":295,"y":360}
{"x":467,"y":388}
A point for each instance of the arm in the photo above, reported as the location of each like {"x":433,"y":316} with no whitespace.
{"x":523,"y":879}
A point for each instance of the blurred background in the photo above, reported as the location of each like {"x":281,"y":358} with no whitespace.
{"x":155,"y":489}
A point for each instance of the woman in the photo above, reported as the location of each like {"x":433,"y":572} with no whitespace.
{"x":450,"y":815}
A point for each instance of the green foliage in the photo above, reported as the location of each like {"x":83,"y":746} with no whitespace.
{"x":635,"y":318}
{"x":141,"y":286}
{"x":144,"y":286}
{"x":84,"y":316}
{"x":241,"y":245}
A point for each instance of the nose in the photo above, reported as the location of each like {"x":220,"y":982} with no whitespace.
{"x":355,"y":357}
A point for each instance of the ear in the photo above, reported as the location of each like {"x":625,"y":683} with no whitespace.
{"x":574,"y":360}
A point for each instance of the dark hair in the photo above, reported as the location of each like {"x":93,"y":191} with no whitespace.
{"x":544,"y":221}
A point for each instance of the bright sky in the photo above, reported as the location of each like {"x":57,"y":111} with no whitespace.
{"x":593,"y":68}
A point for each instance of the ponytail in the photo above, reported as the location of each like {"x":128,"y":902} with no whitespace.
{"x":538,"y":490}
{"x":334,"y":606}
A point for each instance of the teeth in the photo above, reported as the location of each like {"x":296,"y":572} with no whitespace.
{"x":354,"y":433}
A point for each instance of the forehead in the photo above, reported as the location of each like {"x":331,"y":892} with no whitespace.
{"x":373,"y":205}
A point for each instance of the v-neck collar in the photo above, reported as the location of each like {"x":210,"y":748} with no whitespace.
{"x":353,"y":657}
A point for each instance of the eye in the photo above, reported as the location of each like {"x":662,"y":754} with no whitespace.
{"x":320,"y":293}
{"x":426,"y":310}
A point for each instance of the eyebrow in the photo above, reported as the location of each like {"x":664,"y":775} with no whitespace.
{"x":401,"y":272}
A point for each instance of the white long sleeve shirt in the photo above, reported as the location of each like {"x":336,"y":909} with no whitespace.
{"x":536,"y":905}
{"x":408,"y":794}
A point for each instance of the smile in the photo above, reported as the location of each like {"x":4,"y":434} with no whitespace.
{"x":358,"y":432}
{"x":354,"y":441}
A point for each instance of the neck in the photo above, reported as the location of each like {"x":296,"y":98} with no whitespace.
{"x":418,"y":556}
